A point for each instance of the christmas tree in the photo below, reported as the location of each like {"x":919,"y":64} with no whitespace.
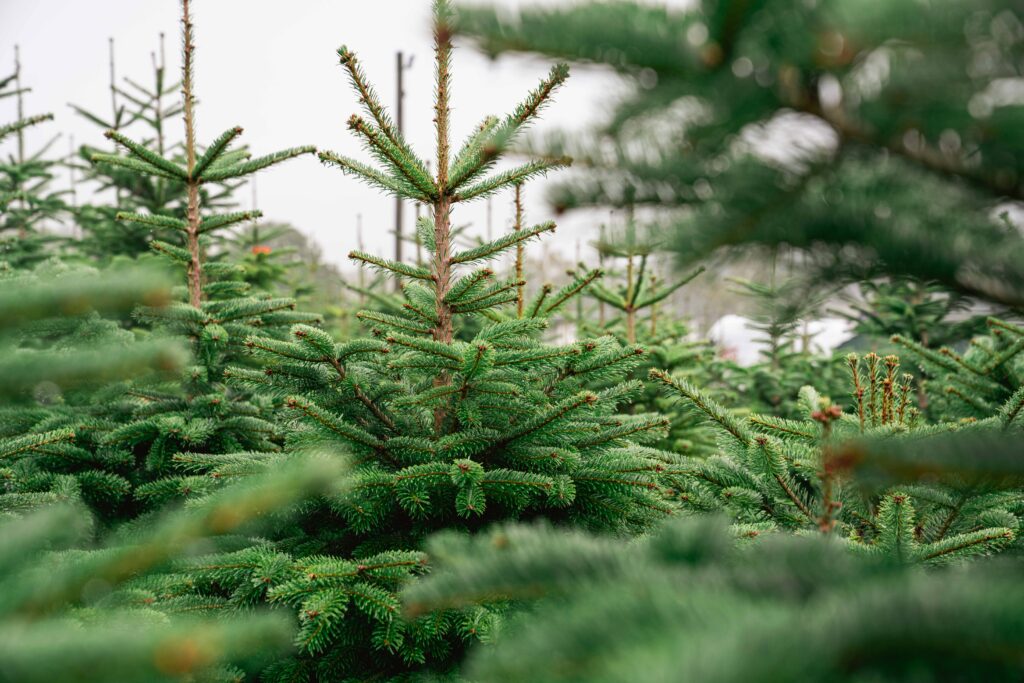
{"x":66,"y":614}
{"x":446,"y":432}
{"x":981,"y":383}
{"x":59,"y":353}
{"x":27,"y":198}
{"x":198,"y":412}
{"x":781,"y":314}
{"x":774,"y":472}
{"x":629,"y":296}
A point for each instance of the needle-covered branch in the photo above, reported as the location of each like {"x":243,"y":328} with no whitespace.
{"x":381,"y":181}
{"x":492,"y":140}
{"x":214,"y":151}
{"x":707,"y":405}
{"x":397,"y":160}
{"x":399,"y":269}
{"x":657,"y":296}
{"x":510,"y":178}
{"x":240,"y":170}
{"x":147,"y":156}
{"x":22,"y":124}
{"x":503,"y":243}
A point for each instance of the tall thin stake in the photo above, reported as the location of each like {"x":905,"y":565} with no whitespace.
{"x":520,"y":293}
{"x":21,"y":103}
{"x":401,"y":65}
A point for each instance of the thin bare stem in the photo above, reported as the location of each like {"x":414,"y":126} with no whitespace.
{"x":442,"y":263}
{"x":195,"y":267}
{"x":520,"y":289}
{"x":19,"y":97}
{"x":858,"y":389}
{"x":630,"y":311}
{"x":654,"y":308}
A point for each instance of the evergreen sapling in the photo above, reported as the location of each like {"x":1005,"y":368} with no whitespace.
{"x":447,"y":433}
{"x":199,"y":412}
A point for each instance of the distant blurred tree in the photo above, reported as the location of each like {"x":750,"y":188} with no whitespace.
{"x":922,"y":312}
{"x":780,"y":313}
{"x":883,"y":136}
{"x":27,"y":197}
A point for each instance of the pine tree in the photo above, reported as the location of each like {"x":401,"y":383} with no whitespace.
{"x":780,"y":314}
{"x":638,"y":291}
{"x":150,"y":111}
{"x":920,"y":311}
{"x":66,"y":611}
{"x":27,"y":200}
{"x":198,"y":412}
{"x":628,"y":309}
{"x":71,"y":611}
{"x":447,"y":432}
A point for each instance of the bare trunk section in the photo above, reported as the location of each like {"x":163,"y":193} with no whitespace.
{"x":442,"y":266}
{"x":630,"y":311}
{"x":195,"y":266}
{"x":443,"y":269}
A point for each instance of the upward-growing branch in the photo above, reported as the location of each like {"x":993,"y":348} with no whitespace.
{"x":458,"y":177}
{"x":195,"y":266}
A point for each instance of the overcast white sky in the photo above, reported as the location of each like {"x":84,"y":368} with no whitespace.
{"x":270,"y":66}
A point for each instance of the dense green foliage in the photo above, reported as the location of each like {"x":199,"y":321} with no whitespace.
{"x":888,"y":136}
{"x":447,"y":432}
{"x":201,"y":482}
{"x":695,"y":603}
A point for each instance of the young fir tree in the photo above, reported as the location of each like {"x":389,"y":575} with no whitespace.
{"x":65,"y":612}
{"x":447,"y":433}
{"x":777,"y":473}
{"x":149,"y":111}
{"x":266,"y":261}
{"x":695,"y":602}
{"x":198,"y":412}
{"x":638,"y":293}
{"x":72,"y":609}
{"x":27,"y":200}
{"x":780,"y":315}
{"x":628,"y":309}
{"x":919,"y":311}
